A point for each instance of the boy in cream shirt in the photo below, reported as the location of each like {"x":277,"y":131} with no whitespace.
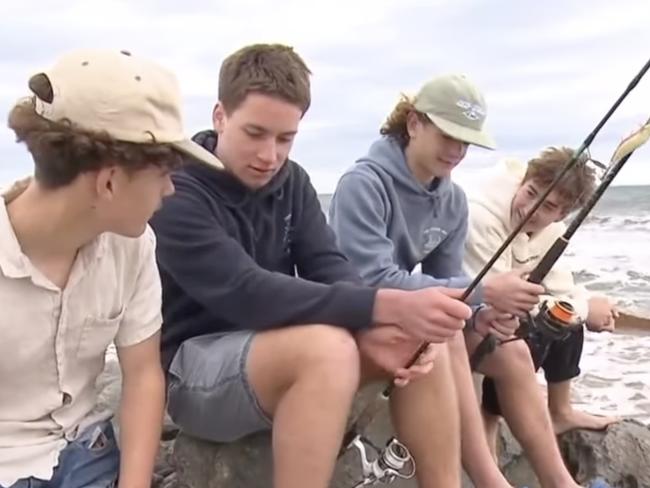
{"x":78,"y":271}
{"x":494,"y":211}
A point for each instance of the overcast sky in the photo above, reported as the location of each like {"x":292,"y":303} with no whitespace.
{"x":549,"y":69}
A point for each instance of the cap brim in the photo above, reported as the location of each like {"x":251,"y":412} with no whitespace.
{"x":478,"y":138}
{"x":197,"y":152}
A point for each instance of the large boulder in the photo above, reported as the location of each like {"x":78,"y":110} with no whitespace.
{"x":620,"y":455}
{"x":248,"y":462}
{"x":513,"y":462}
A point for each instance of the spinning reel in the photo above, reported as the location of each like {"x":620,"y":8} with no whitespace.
{"x":392,"y":462}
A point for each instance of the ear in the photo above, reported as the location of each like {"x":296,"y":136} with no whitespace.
{"x":218,"y":118}
{"x":412,"y":124}
{"x":106,"y":181}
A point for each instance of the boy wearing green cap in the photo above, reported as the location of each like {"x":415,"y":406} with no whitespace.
{"x":397,"y":208}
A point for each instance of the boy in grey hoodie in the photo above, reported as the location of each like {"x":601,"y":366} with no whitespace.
{"x":397,"y":208}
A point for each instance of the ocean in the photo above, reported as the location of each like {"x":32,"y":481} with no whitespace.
{"x":609,"y":255}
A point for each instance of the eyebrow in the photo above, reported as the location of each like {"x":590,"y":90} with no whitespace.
{"x":548,"y":203}
{"x":264,"y":130}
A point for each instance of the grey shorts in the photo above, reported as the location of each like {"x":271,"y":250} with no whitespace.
{"x":209,"y":395}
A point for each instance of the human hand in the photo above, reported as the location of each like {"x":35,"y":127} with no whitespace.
{"x":511,"y":293}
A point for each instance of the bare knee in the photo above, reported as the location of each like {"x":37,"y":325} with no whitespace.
{"x":323,"y":356}
{"x":517,"y":353}
{"x":330,"y":348}
{"x":509,"y":359}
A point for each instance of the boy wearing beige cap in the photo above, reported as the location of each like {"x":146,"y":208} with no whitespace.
{"x":78,"y":271}
{"x":397,"y":209}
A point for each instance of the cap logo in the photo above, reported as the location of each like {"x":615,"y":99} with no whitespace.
{"x":471,"y":110}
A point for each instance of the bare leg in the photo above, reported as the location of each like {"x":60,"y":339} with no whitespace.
{"x":477,"y":459}
{"x":565,"y":417}
{"x":523,"y":406}
{"x":425,"y":416}
{"x":305,"y":378}
{"x":491,"y":423}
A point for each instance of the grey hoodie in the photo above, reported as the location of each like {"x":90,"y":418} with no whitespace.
{"x":387,"y":222}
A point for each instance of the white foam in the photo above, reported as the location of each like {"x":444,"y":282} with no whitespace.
{"x":615,"y":377}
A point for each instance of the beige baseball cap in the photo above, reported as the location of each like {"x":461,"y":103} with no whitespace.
{"x":128,"y":97}
{"x":456,"y":106}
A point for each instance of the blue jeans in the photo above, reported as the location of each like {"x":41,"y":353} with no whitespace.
{"x":90,"y":461}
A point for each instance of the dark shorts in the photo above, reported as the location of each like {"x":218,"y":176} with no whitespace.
{"x":560,"y":361}
{"x":209,"y":395}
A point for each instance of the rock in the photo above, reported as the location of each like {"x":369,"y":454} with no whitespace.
{"x":620,"y":455}
{"x":248,"y":464}
{"x":512,"y":460}
{"x":164,"y":470}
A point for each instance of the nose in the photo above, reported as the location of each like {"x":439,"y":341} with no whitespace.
{"x":267,"y":152}
{"x":528,"y":208}
{"x":457,"y":148}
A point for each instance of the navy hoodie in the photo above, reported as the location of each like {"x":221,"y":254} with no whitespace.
{"x":235,"y":259}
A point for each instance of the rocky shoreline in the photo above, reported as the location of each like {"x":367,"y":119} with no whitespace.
{"x":621,"y":454}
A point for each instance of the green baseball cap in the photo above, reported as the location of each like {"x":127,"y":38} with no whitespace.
{"x":456,"y":106}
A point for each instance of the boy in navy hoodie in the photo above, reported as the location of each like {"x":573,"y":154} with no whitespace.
{"x":266,"y":324}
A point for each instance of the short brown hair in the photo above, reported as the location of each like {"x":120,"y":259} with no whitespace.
{"x":62,"y":152}
{"x":396,"y":125}
{"x":575,"y":187}
{"x":270,"y":69}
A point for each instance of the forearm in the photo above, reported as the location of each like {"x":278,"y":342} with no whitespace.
{"x":388,"y":307}
{"x":141,"y":415}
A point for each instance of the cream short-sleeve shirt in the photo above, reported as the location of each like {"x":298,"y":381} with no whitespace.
{"x":53,"y":341}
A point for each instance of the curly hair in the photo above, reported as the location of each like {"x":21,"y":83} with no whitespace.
{"x":61,"y":151}
{"x":396,"y":125}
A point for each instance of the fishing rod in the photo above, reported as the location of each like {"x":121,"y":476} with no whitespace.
{"x":353,"y":438}
{"x":489,"y":342}
{"x":620,"y":157}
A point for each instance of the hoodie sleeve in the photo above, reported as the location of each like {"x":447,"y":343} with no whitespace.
{"x":317,"y":256}
{"x":358,"y":214}
{"x":214,"y":271}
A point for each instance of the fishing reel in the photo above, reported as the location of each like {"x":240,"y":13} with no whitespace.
{"x":556,"y":321}
{"x":392,"y":462}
